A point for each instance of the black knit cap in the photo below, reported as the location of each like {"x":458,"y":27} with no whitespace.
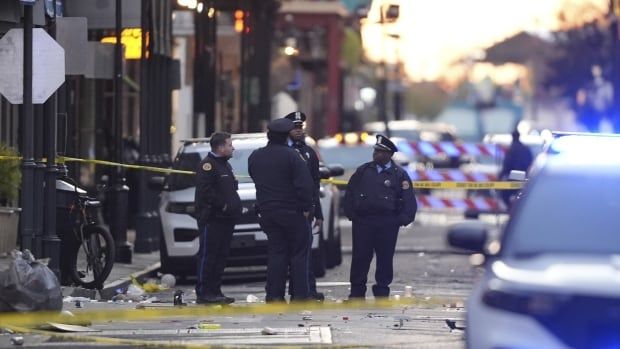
{"x":281,"y":125}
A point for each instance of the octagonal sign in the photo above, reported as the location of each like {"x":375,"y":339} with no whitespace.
{"x":48,"y":66}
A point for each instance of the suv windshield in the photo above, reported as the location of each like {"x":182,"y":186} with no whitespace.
{"x":189,"y":162}
{"x":349,"y":157}
{"x":566,"y":213}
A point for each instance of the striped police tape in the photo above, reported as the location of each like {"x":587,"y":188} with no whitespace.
{"x":497,"y":185}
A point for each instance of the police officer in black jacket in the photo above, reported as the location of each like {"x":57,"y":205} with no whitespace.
{"x":379,"y":199}
{"x":298,"y":142}
{"x":218,"y":206}
{"x":285,"y":202}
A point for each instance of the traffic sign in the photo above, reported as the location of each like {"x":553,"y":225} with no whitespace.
{"x":48,"y":66}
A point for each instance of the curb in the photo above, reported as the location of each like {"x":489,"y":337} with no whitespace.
{"x":109,"y":290}
{"x":349,"y":249}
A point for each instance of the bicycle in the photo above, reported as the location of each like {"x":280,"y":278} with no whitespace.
{"x":87,"y":248}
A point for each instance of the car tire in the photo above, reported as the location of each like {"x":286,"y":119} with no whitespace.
{"x":318,"y":258}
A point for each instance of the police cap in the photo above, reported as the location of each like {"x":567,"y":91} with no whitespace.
{"x":384,"y":143}
{"x":297,"y":117}
{"x":281,"y":125}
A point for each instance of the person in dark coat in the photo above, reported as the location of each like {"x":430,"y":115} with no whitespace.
{"x":518,"y":157}
{"x":285,"y":202}
{"x":379,"y":199}
{"x":298,"y":142}
{"x":218,"y":206}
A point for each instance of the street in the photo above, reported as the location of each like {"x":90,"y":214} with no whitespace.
{"x":440,"y":278}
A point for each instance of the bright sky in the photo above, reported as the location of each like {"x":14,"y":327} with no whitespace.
{"x":436,"y":33}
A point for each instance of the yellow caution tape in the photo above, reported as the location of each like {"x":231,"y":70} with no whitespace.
{"x":506,"y":185}
{"x":38,"y":318}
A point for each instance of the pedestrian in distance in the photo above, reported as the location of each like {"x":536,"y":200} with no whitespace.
{"x":285,"y":203}
{"x":379,"y":199}
{"x":519,"y":158}
{"x":218,"y":207}
{"x":298,"y":142}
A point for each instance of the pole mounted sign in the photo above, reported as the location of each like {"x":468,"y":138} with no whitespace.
{"x":48,"y":66}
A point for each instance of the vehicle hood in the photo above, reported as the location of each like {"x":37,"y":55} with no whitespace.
{"x":247,"y":192}
{"x":592,"y":275}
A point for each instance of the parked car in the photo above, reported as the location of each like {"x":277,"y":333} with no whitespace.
{"x":551,"y":280}
{"x":179,"y":243}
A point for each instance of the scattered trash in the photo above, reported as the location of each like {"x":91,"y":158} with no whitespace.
{"x":427,"y":298}
{"x":78,"y":304}
{"x":168,"y":280}
{"x":408,"y":291}
{"x":345,"y":318}
{"x":70,"y":299}
{"x":178,"y":298}
{"x":452,"y":325}
{"x":300,"y":325}
{"x":150,"y":300}
{"x":421,"y":254}
{"x":54,"y":326}
{"x":251,"y":298}
{"x":306,"y":313}
{"x":307,"y":318}
{"x":396,"y":297}
{"x":209,"y":326}
{"x":452,"y":270}
{"x":454,"y":305}
{"x":17,"y":340}
{"x":28,"y":285}
{"x":401,"y":320}
{"x":268,"y":331}
{"x":134,"y":290}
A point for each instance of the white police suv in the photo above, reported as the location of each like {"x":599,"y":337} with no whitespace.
{"x":179,"y":243}
{"x":553,"y":278}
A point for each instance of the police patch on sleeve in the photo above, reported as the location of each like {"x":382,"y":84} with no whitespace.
{"x":406,"y":185}
{"x":207,"y":166}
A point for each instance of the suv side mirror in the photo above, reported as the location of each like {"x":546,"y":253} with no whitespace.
{"x":336,"y":170}
{"x":157,"y":183}
{"x":324,"y":172}
{"x":470,"y":236}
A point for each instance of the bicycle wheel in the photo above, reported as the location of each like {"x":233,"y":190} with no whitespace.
{"x":93,"y":259}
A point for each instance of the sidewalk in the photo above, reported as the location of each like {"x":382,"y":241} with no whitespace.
{"x":142,"y":264}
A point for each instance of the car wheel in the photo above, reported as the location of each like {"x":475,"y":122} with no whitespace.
{"x":318,"y":258}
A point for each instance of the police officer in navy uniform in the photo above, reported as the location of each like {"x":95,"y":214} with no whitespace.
{"x":379,"y":199}
{"x":298,"y":142}
{"x":285,"y":202}
{"x":218,"y":206}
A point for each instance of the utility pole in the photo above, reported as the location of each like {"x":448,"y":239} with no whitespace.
{"x":28,"y":164}
{"x":120,"y":191}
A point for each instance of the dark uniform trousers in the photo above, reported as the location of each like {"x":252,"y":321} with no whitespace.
{"x":373,"y":234}
{"x":287,"y":233}
{"x":215,"y":238}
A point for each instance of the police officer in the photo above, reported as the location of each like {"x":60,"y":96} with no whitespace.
{"x":298,"y":142}
{"x":285,"y":203}
{"x":218,"y":206}
{"x":379,"y":200}
{"x":518,"y":157}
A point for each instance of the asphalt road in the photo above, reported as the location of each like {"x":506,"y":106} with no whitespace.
{"x":440,"y":277}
